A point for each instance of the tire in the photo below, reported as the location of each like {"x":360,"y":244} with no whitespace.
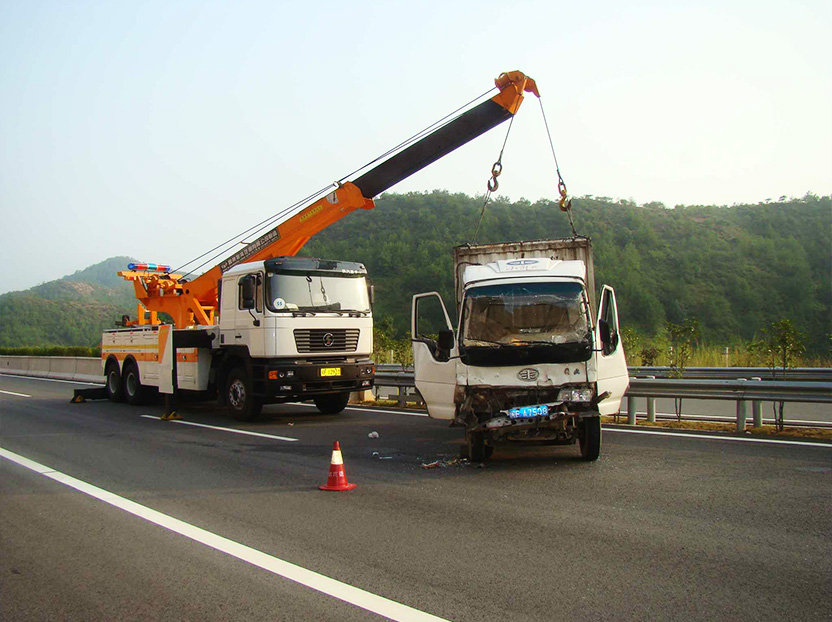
{"x":115,"y":389}
{"x":239,"y":396}
{"x":134,"y":391}
{"x":332,"y":403}
{"x":590,"y":438}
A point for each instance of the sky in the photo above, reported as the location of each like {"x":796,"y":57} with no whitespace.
{"x":158,"y":129}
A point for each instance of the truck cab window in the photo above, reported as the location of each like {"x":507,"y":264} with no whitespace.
{"x":250,"y":292}
{"x":429,"y":320}
{"x":609,"y":316}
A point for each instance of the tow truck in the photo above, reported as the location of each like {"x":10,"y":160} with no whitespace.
{"x":263,"y":325}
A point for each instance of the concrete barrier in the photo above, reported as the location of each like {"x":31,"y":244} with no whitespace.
{"x":56,"y":367}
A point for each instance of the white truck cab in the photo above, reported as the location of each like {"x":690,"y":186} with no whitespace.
{"x":530,"y":359}
{"x":289,"y":328}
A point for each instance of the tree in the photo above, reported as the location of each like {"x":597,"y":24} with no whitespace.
{"x":683,"y":338}
{"x":780,"y":345}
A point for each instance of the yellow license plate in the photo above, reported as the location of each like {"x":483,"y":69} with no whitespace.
{"x":330,"y":371}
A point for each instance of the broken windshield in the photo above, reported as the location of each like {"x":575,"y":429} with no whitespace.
{"x":520,"y":314}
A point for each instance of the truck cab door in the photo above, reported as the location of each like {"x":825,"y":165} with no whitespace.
{"x":248,"y":315}
{"x":610,"y":362}
{"x":433,"y":368}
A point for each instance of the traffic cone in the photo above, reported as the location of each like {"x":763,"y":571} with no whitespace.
{"x":337,"y":476}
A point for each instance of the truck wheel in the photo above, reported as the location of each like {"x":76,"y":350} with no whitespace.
{"x":115,"y":390}
{"x":478,"y":451}
{"x":134,"y":391}
{"x":332,"y":403}
{"x":590,"y":438}
{"x":239,"y":396}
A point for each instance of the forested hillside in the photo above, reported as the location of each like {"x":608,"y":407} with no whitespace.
{"x":736,"y":269}
{"x":70,"y":311}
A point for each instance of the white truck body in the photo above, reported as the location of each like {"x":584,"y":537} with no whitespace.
{"x":289,"y":328}
{"x":531,"y":358}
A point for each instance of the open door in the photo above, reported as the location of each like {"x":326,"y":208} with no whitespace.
{"x":612,"y":365}
{"x":433,"y":346}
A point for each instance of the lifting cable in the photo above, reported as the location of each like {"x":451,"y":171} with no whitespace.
{"x":565,"y":202}
{"x":254,"y":230}
{"x":286,"y":212}
{"x":448,"y":118}
{"x":493,"y":184}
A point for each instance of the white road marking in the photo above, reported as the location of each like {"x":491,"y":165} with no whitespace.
{"x":369,"y":409}
{"x":390,"y":412}
{"x":321,"y":583}
{"x":221,"y":429}
{"x":15,"y":394}
{"x":708,"y":437}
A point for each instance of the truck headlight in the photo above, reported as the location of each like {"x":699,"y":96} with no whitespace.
{"x":576,"y":394}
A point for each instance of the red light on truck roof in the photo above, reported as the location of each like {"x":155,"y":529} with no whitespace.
{"x":148,"y":267}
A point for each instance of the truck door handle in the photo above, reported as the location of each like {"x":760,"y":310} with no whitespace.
{"x":238,"y":336}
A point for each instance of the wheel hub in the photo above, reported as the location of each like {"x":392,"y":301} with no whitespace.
{"x":237,"y":394}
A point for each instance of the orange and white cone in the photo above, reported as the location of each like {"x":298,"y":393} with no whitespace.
{"x":337,"y":476}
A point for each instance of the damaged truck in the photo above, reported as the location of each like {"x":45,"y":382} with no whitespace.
{"x":533,"y":359}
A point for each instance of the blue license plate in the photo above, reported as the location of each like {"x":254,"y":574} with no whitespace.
{"x":527,"y":412}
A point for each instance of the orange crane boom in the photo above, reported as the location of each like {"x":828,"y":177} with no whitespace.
{"x":195,"y":302}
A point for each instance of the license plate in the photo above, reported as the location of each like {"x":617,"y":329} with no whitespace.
{"x":330,"y":371}
{"x":526,"y":412}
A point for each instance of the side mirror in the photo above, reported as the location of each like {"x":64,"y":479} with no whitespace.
{"x":248,"y":292}
{"x":604,"y":330}
{"x":445,"y":340}
{"x":371,"y":291}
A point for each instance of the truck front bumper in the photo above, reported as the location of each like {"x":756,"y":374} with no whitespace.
{"x":299,"y":380}
{"x":556,"y":414}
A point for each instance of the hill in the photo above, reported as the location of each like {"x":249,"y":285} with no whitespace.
{"x":72,"y":310}
{"x":736,"y":269}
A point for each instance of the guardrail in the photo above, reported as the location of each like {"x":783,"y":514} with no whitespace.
{"x":802,"y":386}
{"x":742,"y":391}
{"x":797,"y":374}
{"x":75,"y":368}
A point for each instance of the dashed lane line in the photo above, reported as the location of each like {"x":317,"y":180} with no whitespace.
{"x":321,"y":583}
{"x":15,"y":394}
{"x":222,"y":429}
{"x":710,"y":437}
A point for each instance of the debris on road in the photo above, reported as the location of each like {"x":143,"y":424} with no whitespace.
{"x":444,"y":463}
{"x":372,"y":435}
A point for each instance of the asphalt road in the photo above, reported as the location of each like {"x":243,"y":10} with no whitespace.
{"x":662,"y":527}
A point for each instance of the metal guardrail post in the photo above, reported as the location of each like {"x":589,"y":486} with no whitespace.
{"x":742,"y":414}
{"x":757,"y":414}
{"x":742,"y":411}
{"x":757,"y":410}
{"x":651,"y":406}
{"x":631,"y":410}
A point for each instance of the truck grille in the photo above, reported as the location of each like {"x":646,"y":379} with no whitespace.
{"x":326,"y":340}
